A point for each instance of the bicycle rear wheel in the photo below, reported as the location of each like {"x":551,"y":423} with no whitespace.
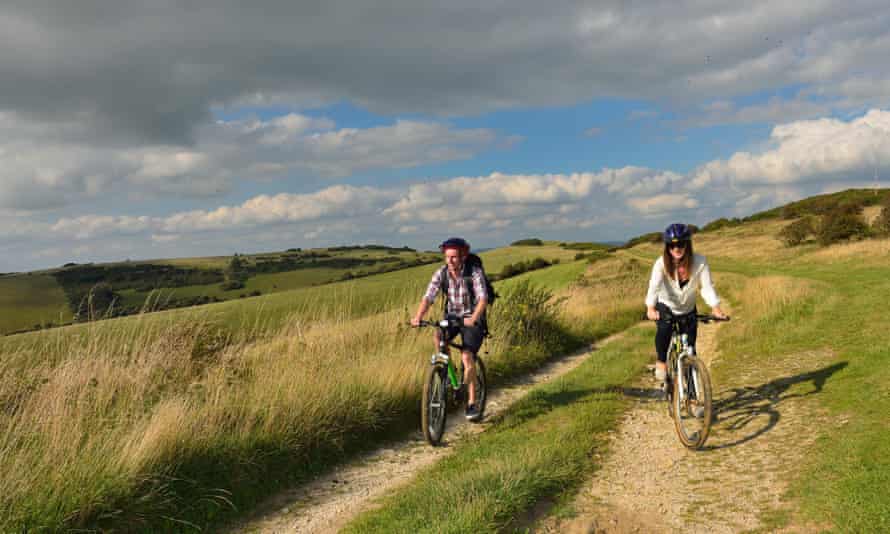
{"x":434,"y":404}
{"x":691,"y":403}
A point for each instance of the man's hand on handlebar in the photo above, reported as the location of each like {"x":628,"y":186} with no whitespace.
{"x":415,"y":322}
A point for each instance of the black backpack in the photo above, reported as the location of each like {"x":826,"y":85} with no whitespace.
{"x":467,"y":274}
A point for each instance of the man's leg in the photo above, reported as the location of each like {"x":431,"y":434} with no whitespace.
{"x":469,"y":376}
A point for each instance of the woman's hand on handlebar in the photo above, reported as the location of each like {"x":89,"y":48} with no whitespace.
{"x":652,"y":314}
{"x":718,"y":313}
{"x":415,"y":321}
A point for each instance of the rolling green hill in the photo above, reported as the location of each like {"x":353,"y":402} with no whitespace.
{"x":309,"y":290}
{"x":31,"y":300}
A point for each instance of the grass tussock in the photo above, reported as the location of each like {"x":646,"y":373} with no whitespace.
{"x":868,"y":251}
{"x":179,"y":423}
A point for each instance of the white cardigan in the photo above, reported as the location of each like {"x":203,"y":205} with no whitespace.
{"x":681,"y":300}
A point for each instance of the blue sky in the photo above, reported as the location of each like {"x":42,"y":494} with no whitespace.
{"x":137,"y":131}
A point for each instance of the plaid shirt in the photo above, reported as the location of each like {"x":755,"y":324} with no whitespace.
{"x":459,"y":302}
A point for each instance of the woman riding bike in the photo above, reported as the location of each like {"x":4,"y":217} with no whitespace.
{"x":676,"y":276}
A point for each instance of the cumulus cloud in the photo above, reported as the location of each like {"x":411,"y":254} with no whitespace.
{"x":801,"y":159}
{"x":660,"y":204}
{"x":806,"y":151}
{"x":336,"y":201}
{"x":41,"y":168}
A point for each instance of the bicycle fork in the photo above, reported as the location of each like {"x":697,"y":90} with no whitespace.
{"x":443,"y":358}
{"x":682,"y":353}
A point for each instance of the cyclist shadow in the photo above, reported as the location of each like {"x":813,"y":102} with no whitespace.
{"x":739,"y":408}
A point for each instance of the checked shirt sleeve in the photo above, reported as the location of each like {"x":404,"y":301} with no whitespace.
{"x":433,"y":289}
{"x":479,"y":285}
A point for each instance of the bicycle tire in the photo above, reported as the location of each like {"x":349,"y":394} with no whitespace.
{"x":434,"y":404}
{"x":692,"y":430}
{"x":481,"y":389}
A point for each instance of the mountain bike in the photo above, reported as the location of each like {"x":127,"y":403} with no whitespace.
{"x":688,"y":387}
{"x":443,"y":385}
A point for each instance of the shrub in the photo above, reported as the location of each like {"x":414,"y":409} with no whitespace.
{"x":581,"y":245}
{"x":513,"y":269}
{"x":881,"y":224}
{"x":796,"y":232}
{"x":231,"y":285}
{"x":842,"y":223}
{"x":532,"y":242}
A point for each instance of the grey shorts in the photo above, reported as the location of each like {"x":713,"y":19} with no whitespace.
{"x":471,"y":337}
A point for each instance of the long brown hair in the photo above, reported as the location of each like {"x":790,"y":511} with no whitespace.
{"x":685,"y":261}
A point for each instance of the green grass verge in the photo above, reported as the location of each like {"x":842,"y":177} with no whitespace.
{"x":29,"y":300}
{"x":541,"y":449}
{"x":842,"y":485}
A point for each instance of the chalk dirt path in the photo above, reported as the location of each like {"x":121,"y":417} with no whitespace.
{"x":328,"y":503}
{"x":650,"y":483}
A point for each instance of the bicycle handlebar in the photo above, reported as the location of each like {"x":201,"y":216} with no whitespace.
{"x":710,"y":318}
{"x":701,"y":317}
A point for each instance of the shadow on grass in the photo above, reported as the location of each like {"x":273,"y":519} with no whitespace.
{"x":741,"y":408}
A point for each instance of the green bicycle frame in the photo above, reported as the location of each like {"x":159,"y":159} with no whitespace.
{"x":452,"y":375}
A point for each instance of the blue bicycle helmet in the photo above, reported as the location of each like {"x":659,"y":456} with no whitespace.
{"x":455,"y":242}
{"x":677,"y":233}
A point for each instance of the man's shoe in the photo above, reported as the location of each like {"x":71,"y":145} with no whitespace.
{"x":660,"y":374}
{"x":472,"y":413}
{"x":698,"y":411}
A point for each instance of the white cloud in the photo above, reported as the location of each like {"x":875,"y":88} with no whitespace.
{"x":336,"y":201}
{"x":813,"y":150}
{"x":41,"y":168}
{"x":803,"y":158}
{"x":660,"y":204}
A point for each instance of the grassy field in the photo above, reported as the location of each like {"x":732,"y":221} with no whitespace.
{"x":125,"y":422}
{"x":352,"y":298}
{"x":282,"y":293}
{"x":26,"y":301}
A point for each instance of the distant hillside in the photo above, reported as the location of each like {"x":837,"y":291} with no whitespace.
{"x":850,"y":201}
{"x":77,"y":292}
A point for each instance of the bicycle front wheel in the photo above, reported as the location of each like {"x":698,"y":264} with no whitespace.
{"x":691,"y":402}
{"x":434,"y":404}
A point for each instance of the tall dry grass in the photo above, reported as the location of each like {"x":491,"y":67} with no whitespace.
{"x":177,"y":422}
{"x":608,"y":296}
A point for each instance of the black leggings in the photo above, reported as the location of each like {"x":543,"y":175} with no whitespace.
{"x":688,"y":325}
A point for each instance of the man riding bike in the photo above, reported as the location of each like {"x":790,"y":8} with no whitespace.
{"x":466,"y":298}
{"x":676,"y":276}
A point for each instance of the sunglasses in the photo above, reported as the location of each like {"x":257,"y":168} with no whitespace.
{"x":679,"y":244}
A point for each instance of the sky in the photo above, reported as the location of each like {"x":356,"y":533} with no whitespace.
{"x":139,"y":130}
